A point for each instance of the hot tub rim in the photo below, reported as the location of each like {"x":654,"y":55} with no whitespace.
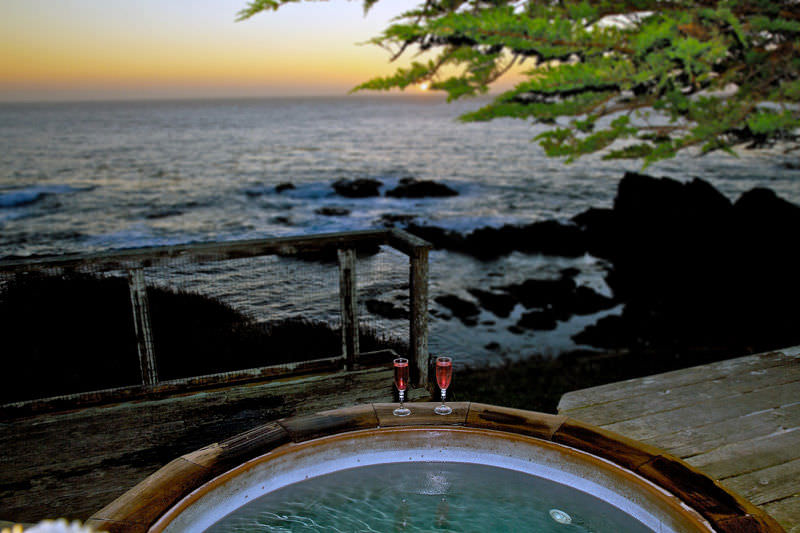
{"x":143,"y":505}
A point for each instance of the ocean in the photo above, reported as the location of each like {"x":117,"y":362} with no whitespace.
{"x":91,"y":176}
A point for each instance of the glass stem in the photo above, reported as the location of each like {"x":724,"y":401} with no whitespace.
{"x":401,"y":393}
{"x":444,"y":391}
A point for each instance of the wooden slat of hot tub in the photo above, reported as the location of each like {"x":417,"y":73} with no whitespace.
{"x":141,"y":506}
{"x":737,"y":421}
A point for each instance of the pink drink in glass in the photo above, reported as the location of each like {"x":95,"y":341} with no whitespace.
{"x":401,"y":382}
{"x":444,"y":372}
{"x":444,"y":375}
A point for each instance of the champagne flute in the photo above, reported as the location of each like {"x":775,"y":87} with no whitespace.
{"x":444,"y":374}
{"x":401,"y":382}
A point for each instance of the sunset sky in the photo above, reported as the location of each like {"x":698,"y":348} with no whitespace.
{"x":98,"y":49}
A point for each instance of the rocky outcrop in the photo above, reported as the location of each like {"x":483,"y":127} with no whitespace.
{"x":386,"y":309}
{"x":548,"y":237}
{"x":414,"y":188}
{"x":499,"y":303}
{"x":697,"y":272}
{"x":464,"y":310}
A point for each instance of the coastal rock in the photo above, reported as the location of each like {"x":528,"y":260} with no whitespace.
{"x":586,"y":301}
{"x":358,"y":188}
{"x":696,"y":272}
{"x":285,"y":186}
{"x":464,"y":310}
{"x":761,"y":213}
{"x":538,"y":320}
{"x":332,"y":211}
{"x":501,"y":304}
{"x":386,"y":309}
{"x":540,"y":293}
{"x":440,"y":238}
{"x":414,"y":188}
{"x":548,"y":237}
{"x":390,"y":220}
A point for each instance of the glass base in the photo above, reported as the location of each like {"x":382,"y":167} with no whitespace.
{"x":443,"y":410}
{"x":401,"y":411}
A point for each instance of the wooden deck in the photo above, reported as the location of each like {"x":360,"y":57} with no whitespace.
{"x":72,"y":463}
{"x":736,"y":420}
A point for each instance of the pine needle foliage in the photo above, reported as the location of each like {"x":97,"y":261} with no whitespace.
{"x":639,"y":79}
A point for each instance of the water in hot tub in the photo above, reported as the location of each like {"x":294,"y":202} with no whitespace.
{"x":442,"y":497}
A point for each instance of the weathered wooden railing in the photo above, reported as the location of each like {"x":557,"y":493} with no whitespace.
{"x":135,"y":261}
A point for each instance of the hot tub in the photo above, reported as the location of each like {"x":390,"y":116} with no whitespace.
{"x":650,"y":488}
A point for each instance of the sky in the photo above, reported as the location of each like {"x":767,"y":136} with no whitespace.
{"x":116,"y":49}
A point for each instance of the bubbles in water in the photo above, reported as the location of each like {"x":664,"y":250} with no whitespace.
{"x":560,"y":516}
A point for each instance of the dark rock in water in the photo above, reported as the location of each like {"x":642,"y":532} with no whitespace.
{"x":585,"y":301}
{"x":386,"y":309}
{"x":414,"y":188}
{"x":599,"y":228}
{"x":464,"y":310}
{"x":548,"y":237}
{"x":389,"y":220}
{"x":493,"y":346}
{"x":333,"y":211}
{"x":762,"y":209}
{"x":538,"y":320}
{"x":541,"y":292}
{"x":282,"y":220}
{"x":358,"y":188}
{"x":501,"y":304}
{"x":284,"y":187}
{"x":516,"y":330}
{"x":696,"y":272}
{"x":440,"y":238}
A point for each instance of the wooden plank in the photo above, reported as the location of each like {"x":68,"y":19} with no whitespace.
{"x":737,"y":421}
{"x":348,"y":305}
{"x":406,"y":242}
{"x":418,"y":328}
{"x":786,"y":512}
{"x":15,"y":410}
{"x":199,"y":252}
{"x":715,"y":410}
{"x":668,"y":398}
{"x":650,"y":385}
{"x":142,"y":327}
{"x":745,"y":456}
{"x":695,"y":440}
{"x":72,"y":464}
{"x":769,"y":484}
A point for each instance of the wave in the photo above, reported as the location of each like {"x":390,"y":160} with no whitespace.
{"x":30,"y":195}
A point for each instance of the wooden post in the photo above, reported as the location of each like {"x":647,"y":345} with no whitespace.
{"x":348,"y":300}
{"x":141,"y":321}
{"x":418,"y":327}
